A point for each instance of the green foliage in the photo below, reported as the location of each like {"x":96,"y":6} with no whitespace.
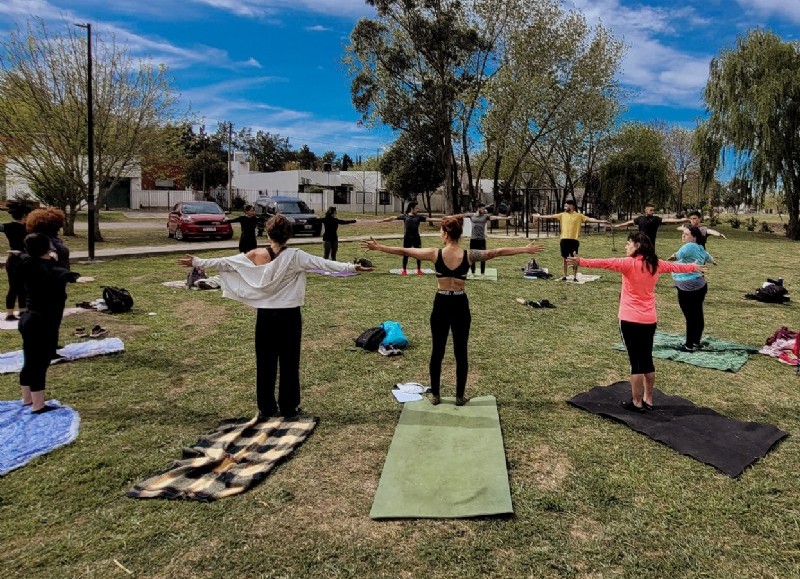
{"x":265,"y":151}
{"x":735,"y":222}
{"x":765,"y":228}
{"x":411,"y":165}
{"x":208,"y":159}
{"x":751,"y":223}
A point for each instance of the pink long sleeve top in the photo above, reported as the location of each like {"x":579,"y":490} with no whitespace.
{"x":637,"y":301}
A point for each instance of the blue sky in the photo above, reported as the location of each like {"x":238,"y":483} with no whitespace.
{"x":275,"y":65}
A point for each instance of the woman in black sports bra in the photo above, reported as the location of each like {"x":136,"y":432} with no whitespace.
{"x":450,"y":306}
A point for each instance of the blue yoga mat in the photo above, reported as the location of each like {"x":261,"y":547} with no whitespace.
{"x":24,"y":436}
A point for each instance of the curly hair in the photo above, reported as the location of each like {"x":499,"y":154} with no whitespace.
{"x":453,"y":227}
{"x":48,"y":221}
{"x":279,"y":229}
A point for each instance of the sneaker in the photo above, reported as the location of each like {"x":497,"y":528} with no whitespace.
{"x":564,"y":278}
{"x":686,"y":348}
{"x":97,"y":332}
{"x":11,"y":318}
{"x":403,"y":272}
{"x":631,"y":407}
{"x":461,"y":400}
{"x":419,"y":271}
{"x":81,"y":333}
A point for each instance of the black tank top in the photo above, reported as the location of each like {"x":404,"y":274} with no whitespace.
{"x":443,"y":271}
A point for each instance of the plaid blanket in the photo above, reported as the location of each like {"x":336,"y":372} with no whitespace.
{"x":234,"y":458}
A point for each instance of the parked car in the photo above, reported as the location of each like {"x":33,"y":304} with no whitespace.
{"x":198,"y":219}
{"x":302,"y":218}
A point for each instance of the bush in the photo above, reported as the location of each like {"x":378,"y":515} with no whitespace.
{"x":765,"y":228}
{"x":713,"y":221}
{"x":751,"y":223}
{"x":238,"y":203}
{"x":735,"y":222}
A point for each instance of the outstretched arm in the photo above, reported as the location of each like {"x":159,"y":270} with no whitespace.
{"x":427,"y":254}
{"x":684,"y":220}
{"x":621,"y":225}
{"x":593,"y":220}
{"x":715,"y":233}
{"x":476,"y":255}
{"x":388,"y":219}
{"x":538,"y":216}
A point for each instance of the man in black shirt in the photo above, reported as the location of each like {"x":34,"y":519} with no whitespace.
{"x":649,"y":222}
{"x":411,"y":237}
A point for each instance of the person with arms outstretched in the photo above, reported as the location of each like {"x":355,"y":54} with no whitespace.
{"x":649,"y":222}
{"x":330,"y":238}
{"x":696,"y":220}
{"x":250,"y":223}
{"x":411,"y":238}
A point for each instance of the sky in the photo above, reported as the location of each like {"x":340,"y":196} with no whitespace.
{"x":275,"y":65}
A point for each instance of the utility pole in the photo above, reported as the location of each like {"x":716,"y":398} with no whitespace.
{"x":90,"y":139}
{"x":230,"y":185}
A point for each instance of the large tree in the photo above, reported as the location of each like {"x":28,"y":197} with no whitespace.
{"x":753,"y":99}
{"x":411,"y":166}
{"x":207,"y":157}
{"x":683,"y":162}
{"x":43,"y":111}
{"x":265,"y":151}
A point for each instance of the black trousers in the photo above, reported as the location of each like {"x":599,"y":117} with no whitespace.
{"x":691,"y":303}
{"x":331,"y":247}
{"x":278,"y":336}
{"x":16,"y":289}
{"x":411,"y":241}
{"x":39,"y":341}
{"x":638,"y":339}
{"x":247,"y":243}
{"x":478,"y":244}
{"x":450,"y":312}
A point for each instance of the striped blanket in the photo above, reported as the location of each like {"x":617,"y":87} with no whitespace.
{"x":234,"y":458}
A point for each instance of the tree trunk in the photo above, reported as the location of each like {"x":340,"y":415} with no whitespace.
{"x":468,"y":169}
{"x":793,"y":204}
{"x":69,"y":225}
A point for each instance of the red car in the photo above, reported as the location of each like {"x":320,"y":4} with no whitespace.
{"x":198,"y":219}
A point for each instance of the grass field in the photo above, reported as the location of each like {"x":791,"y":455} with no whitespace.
{"x":591,"y":498}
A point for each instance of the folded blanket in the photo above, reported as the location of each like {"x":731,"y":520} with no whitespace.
{"x":24,"y":436}
{"x":12,"y":361}
{"x":715,"y":354}
{"x":234,"y":458}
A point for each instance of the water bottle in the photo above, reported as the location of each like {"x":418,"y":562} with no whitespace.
{"x":780,"y":281}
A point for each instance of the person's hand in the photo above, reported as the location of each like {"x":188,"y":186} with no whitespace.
{"x":672,"y":257}
{"x":702,"y":269}
{"x":84,"y":279}
{"x":573,"y":260}
{"x":362,"y":268}
{"x":534,"y":248}
{"x":722,"y":235}
{"x":186,"y":261}
{"x":370,"y":244}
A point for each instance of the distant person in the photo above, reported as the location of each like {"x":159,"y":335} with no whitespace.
{"x":411,"y":238}
{"x":330,"y":238}
{"x":692,"y":287}
{"x":570,"y":221}
{"x":249,"y":223}
{"x":649,"y":222}
{"x":50,"y":221}
{"x":45,"y":283}
{"x":696,"y":220}
{"x":477,"y":239}
{"x":15,"y":232}
{"x":637,"y":309}
{"x":451,"y":306}
{"x":273,"y":280}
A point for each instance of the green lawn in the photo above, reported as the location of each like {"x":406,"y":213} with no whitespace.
{"x":591,"y":497}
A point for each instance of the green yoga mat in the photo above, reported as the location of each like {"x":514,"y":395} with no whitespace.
{"x":489,"y":275}
{"x":445,"y":461}
{"x":715,"y":354}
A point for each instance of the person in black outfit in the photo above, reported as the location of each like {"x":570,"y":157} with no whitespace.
{"x":450,"y":306}
{"x":249,"y":223}
{"x":411,"y":237}
{"x":15,"y":232}
{"x":330,"y":239}
{"x":49,"y":221}
{"x":649,"y":223}
{"x":45,"y":282}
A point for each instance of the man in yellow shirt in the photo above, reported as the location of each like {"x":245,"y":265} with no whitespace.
{"x":570,"y":221}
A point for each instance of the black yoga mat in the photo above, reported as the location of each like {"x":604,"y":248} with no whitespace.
{"x":724,"y":443}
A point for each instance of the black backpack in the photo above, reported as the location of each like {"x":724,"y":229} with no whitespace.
{"x":118,"y":300}
{"x":371,"y":339}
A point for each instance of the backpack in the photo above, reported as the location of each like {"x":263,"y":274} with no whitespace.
{"x":118,"y":300}
{"x":773,"y":294}
{"x":363,"y":262}
{"x":532,"y":266}
{"x":195,"y":274}
{"x":371,"y":339}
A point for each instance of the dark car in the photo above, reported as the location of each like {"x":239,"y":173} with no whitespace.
{"x":198,"y":219}
{"x":301,"y":217}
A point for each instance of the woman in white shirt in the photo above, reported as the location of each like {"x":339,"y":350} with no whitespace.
{"x":273,"y":280}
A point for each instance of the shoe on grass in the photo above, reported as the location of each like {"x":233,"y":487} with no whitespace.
{"x":98,"y":332}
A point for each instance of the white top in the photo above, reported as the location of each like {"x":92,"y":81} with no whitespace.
{"x":279,"y":284}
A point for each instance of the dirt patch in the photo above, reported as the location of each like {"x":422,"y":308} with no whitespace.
{"x":586,"y":530}
{"x":545,"y":467}
{"x":200,"y":317}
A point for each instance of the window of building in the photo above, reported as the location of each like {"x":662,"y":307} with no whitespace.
{"x":383,"y":199}
{"x":341,"y":197}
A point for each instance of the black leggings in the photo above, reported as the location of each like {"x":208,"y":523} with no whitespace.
{"x":39,"y":341}
{"x":278,"y":336}
{"x":691,"y":303}
{"x":638,"y":339}
{"x":478,"y":244}
{"x":16,"y":289}
{"x":411,"y":241}
{"x":331,"y":247}
{"x":450,"y":312}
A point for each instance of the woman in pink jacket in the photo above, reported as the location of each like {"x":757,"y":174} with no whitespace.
{"x":637,"y":309}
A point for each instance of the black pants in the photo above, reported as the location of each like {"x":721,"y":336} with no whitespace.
{"x":691,"y":303}
{"x":39,"y":341}
{"x":247,"y":243}
{"x":331,"y":247}
{"x":16,"y":289}
{"x":411,"y":241}
{"x":638,"y":339}
{"x":478,"y":244}
{"x":450,"y":312}
{"x":278,"y":335}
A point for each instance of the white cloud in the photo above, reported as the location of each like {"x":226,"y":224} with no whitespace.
{"x":253,"y":62}
{"x":786,"y":8}
{"x":318,"y":28}
{"x":264,"y":8}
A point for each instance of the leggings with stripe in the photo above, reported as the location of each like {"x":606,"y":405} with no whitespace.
{"x":638,"y":339}
{"x":450,"y":312}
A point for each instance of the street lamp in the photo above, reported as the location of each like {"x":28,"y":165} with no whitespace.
{"x":90,"y":137}
{"x":526,"y":179}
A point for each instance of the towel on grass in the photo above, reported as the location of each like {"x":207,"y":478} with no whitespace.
{"x":332,"y":273}
{"x":12,"y":361}
{"x":411,"y":271}
{"x":229,"y":461}
{"x":701,"y":433}
{"x":489,"y":275}
{"x":715,"y":354}
{"x":14,"y":324}
{"x":581,"y":278}
{"x":24,"y":436}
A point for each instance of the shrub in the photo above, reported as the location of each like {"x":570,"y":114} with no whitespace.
{"x":765,"y":228}
{"x":735,"y":222}
{"x":751,"y":223}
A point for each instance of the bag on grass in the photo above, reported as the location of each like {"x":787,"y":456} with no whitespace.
{"x":394,"y":335}
{"x":118,"y":300}
{"x":771,"y":294}
{"x":371,"y":339}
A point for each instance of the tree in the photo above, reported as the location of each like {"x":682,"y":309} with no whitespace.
{"x":305,"y":158}
{"x":636,"y":173}
{"x":347,"y":162}
{"x":43,"y":111}
{"x":208,"y":159}
{"x":677,"y":143}
{"x":412,"y":166}
{"x":753,"y":99}
{"x":265,"y":152}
